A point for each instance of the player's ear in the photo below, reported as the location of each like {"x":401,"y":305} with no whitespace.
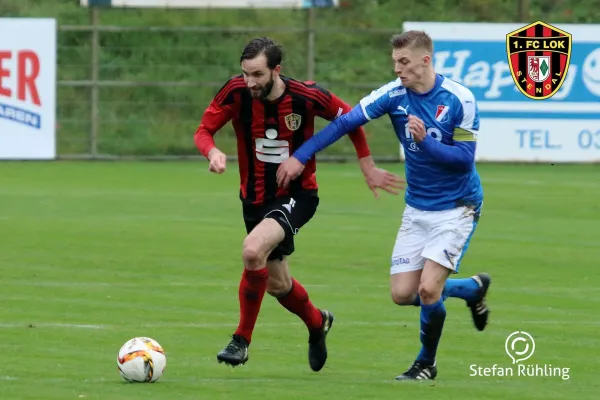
{"x":427,"y":59}
{"x":277,"y":69}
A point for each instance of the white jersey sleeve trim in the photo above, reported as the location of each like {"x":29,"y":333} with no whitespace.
{"x":364,"y":110}
{"x":377,"y":94}
{"x":467,"y":101}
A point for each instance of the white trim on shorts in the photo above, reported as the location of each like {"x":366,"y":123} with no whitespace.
{"x":294,"y":231}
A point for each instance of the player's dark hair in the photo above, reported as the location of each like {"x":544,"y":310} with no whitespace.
{"x":414,"y":39}
{"x":263,"y":45}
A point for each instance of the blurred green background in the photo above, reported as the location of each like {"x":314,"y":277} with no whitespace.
{"x":351,"y":57}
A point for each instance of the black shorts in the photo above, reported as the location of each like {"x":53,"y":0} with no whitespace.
{"x":290,"y":212}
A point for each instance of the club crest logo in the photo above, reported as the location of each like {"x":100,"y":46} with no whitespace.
{"x":441,"y":115}
{"x":539,"y":56}
{"x":293,"y":121}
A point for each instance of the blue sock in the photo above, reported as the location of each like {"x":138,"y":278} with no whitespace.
{"x":432,"y":323}
{"x":466,"y":289}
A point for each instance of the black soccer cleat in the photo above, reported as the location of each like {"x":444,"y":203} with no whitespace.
{"x":419,"y":371}
{"x":479,"y":308}
{"x":236,"y":352}
{"x":317,"y":349}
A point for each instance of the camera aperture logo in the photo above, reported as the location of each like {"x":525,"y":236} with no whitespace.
{"x":520,"y":346}
{"x":515,"y":342}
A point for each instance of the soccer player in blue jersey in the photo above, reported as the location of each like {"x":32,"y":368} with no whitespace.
{"x":436,"y":120}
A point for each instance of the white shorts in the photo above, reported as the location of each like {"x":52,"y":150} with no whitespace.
{"x":441,"y":236}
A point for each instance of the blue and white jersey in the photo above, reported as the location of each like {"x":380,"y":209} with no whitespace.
{"x":449,"y":113}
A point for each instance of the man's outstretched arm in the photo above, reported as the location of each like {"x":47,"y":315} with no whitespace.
{"x":376,"y":177}
{"x":331,"y":133}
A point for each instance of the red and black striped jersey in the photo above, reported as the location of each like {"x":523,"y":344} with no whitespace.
{"x":268,"y":132}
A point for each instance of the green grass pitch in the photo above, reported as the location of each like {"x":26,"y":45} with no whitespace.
{"x":95,"y":253}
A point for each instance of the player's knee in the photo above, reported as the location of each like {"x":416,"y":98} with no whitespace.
{"x":403,"y":298}
{"x":251,"y":254}
{"x":428,"y":293}
{"x":278,"y":286}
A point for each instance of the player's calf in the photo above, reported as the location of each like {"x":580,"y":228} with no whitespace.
{"x":250,"y":294}
{"x":277,"y":287}
{"x":294,"y":298}
{"x":253,"y":285}
{"x":318,"y":322}
{"x":462,"y":288}
{"x":280,"y":281}
{"x":473,"y":290}
{"x":432,"y":318}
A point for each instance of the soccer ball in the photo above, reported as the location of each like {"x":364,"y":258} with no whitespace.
{"x":141,"y":359}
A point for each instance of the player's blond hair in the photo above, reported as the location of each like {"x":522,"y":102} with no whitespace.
{"x":413,"y":39}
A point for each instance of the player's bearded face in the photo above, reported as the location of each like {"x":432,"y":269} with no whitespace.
{"x":263,"y":90}
{"x":259,"y":78}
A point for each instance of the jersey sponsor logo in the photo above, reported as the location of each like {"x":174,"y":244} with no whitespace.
{"x":271,"y":150}
{"x":411,"y":145}
{"x":378,"y":93}
{"x":400,"y":261}
{"x":293,"y":121}
{"x":542,"y":71}
{"x":397,"y":92}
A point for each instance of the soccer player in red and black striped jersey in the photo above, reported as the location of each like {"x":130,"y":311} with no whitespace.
{"x":272,"y":116}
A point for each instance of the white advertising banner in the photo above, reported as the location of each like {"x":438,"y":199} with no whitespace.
{"x":513,"y":127}
{"x":27,"y":88}
{"x":539,"y":140}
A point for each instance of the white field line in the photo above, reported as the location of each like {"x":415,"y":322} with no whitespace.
{"x":293,"y":380}
{"x":588,"y":293}
{"x":234,"y":283}
{"x":58,"y":325}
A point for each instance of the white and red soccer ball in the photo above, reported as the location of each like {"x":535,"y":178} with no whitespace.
{"x":141,"y":359}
